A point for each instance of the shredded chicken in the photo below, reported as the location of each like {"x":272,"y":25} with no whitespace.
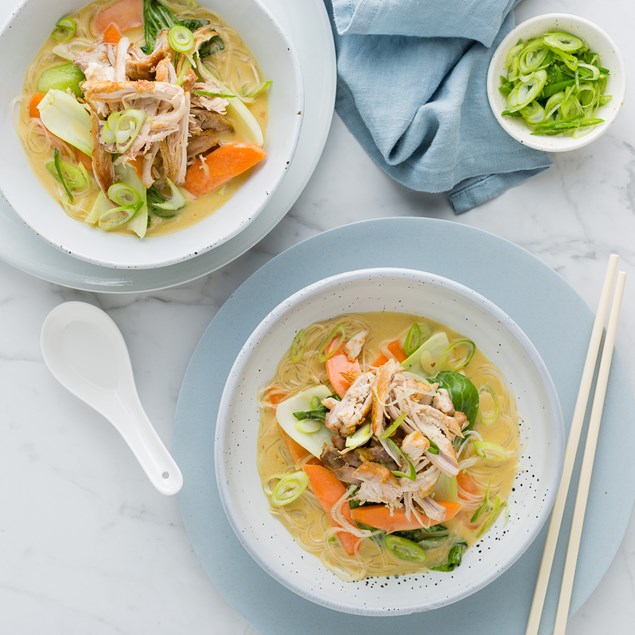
{"x":145,"y":67}
{"x":442,"y":402}
{"x":346,"y":416}
{"x":103,"y":167}
{"x":354,"y":346}
{"x":381,"y":388}
{"x":378,"y":485}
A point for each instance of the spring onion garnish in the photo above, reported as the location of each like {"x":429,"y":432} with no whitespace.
{"x":458,"y":355}
{"x":554,"y":83}
{"x":208,"y":93}
{"x":57,"y":165}
{"x":249,"y":96}
{"x":289,"y":488}
{"x":308,"y":426}
{"x":412,"y":473}
{"x":116,"y":217}
{"x":122,"y":128}
{"x":331,"y":343}
{"x":360,"y":437}
{"x":180,"y":39}
{"x":73,"y":177}
{"x":64,"y":30}
{"x":489,"y":407}
{"x":491,"y":451}
{"x":413,"y":340}
{"x":404,"y":549}
{"x":434,"y":448}
{"x":125,"y":196}
{"x":393,"y":427}
{"x":297,"y":346}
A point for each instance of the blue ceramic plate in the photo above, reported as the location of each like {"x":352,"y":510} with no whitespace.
{"x":553,"y":316}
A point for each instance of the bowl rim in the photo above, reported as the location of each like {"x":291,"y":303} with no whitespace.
{"x":553,"y":143}
{"x":308,"y":293}
{"x":153,"y":259}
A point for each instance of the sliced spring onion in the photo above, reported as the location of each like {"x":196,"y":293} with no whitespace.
{"x":289,"y":488}
{"x":138,"y":224}
{"x":122,"y":128}
{"x":434,"y":448}
{"x":489,"y":407}
{"x":209,"y":93}
{"x":64,"y":30}
{"x":298,"y":346}
{"x":116,"y":217}
{"x":73,"y":177}
{"x":176,"y":201}
{"x":249,"y":96}
{"x":491,"y":451}
{"x":412,"y":473}
{"x":360,"y":437}
{"x":57,"y":165}
{"x":331,"y":343}
{"x":532,"y":56}
{"x":180,"y":39}
{"x":62,"y":77}
{"x":412,"y":340}
{"x":457,"y":355}
{"x":554,"y":83}
{"x":393,"y":427}
{"x":562,"y":41}
{"x":125,"y":196}
{"x":308,"y":426}
{"x":424,"y":360}
{"x":526,"y":91}
{"x":404,"y":549}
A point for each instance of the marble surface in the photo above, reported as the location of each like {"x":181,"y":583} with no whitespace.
{"x":88,"y":546}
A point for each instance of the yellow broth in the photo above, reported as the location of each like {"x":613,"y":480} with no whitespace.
{"x":305,"y":519}
{"x":238,"y":67}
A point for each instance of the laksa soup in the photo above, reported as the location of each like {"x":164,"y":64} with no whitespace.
{"x":388,"y":444}
{"x":143,"y":116}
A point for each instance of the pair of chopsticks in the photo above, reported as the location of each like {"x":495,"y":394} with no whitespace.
{"x":613,"y":285}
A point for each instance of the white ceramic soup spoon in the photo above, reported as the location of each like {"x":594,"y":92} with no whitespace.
{"x":87,"y":354}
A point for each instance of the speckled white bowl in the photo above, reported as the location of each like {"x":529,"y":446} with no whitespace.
{"x":541,"y":428}
{"x":598,"y":41}
{"x":20,"y":40}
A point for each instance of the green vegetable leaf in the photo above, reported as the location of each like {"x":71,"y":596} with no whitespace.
{"x":462,"y":392}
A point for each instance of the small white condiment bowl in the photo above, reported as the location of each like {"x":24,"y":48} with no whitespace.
{"x":597,"y":40}
{"x":21,"y":39}
{"x":406,"y":291}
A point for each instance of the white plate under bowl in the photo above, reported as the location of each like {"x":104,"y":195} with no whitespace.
{"x":20,"y":41}
{"x":403,"y":290}
{"x":597,"y":40}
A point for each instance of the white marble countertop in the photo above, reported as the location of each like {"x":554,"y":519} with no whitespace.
{"x":88,"y":546}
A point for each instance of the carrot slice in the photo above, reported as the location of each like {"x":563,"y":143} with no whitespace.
{"x":339,"y":369}
{"x":381,"y":517}
{"x":124,"y":14}
{"x":33,"y":105}
{"x":220,"y":166}
{"x":112,"y":35}
{"x":380,"y":361}
{"x":396,"y":349}
{"x":329,"y":489}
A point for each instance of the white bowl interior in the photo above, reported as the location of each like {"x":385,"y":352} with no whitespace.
{"x":440,"y":299}
{"x":21,"y":40}
{"x":598,"y":41}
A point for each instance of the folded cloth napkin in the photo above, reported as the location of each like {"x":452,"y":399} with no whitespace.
{"x":412,"y":90}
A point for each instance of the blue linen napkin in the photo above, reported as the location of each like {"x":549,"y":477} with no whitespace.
{"x":412,"y":90}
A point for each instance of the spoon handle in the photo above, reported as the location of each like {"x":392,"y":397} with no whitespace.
{"x":134,"y":426}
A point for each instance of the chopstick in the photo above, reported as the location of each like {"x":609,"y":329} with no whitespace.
{"x":542,"y":582}
{"x":588,"y":459}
